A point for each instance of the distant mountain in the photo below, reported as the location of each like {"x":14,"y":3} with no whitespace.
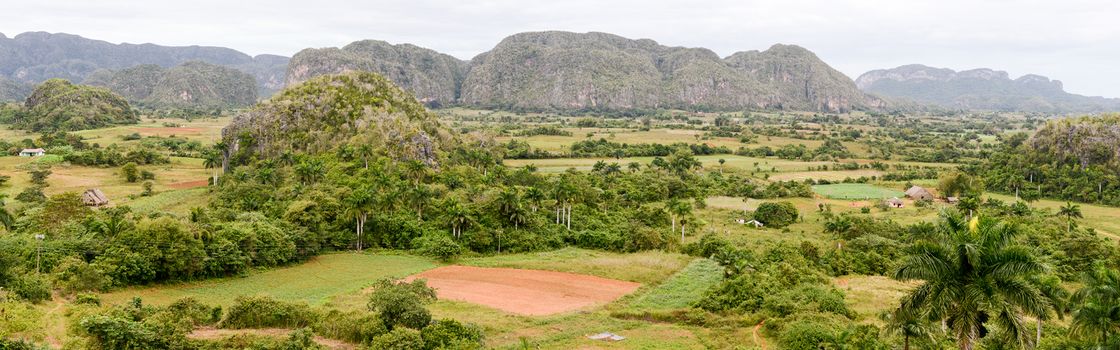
{"x":189,"y":85}
{"x":432,"y":76}
{"x":563,"y":70}
{"x":37,"y":56}
{"x":982,"y":89}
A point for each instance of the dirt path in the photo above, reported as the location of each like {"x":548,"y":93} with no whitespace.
{"x":525,"y":292}
{"x":215,"y":334}
{"x":55,"y":321}
{"x":189,"y":184}
{"x":758,"y":339}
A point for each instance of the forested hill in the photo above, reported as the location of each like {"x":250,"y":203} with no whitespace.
{"x":574,"y":71}
{"x":983,"y":89}
{"x":34,"y":57}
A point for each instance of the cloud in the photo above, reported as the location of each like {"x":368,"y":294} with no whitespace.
{"x":1072,"y":40}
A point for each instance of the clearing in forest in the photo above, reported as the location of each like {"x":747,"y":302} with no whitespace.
{"x":525,"y":292}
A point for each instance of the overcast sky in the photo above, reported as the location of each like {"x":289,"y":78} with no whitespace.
{"x":1076,"y":41}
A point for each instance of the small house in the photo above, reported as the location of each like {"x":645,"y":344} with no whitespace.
{"x":32,"y":152}
{"x":953,"y":200}
{"x":894,"y":202}
{"x":95,"y":198}
{"x":918,"y":193}
{"x":741,"y":221}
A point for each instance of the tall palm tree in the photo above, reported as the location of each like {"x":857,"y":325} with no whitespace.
{"x":459,"y":215}
{"x":359,"y":204}
{"x":1096,"y":312}
{"x":1070,"y":211}
{"x":679,"y":209}
{"x":1056,"y":296}
{"x":973,"y":274}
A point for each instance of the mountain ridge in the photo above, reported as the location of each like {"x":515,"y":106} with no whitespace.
{"x":980,"y":88}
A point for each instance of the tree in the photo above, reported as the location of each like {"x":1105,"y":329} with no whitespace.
{"x":401,"y":304}
{"x":776,"y":214}
{"x":909,"y":325}
{"x":972,"y":274}
{"x":1096,"y":313}
{"x":130,"y":172}
{"x":1070,"y":211}
{"x":969,"y":205}
{"x":679,"y":209}
{"x":1056,"y":296}
{"x":721,"y":161}
{"x":358,"y":205}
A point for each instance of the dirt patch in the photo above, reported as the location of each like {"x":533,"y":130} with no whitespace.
{"x":215,"y":334}
{"x":525,"y":292}
{"x":189,"y":184}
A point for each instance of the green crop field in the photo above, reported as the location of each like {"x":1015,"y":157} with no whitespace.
{"x":315,"y":281}
{"x":682,"y":289}
{"x":856,"y":191}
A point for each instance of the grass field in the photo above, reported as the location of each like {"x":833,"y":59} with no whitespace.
{"x":644,"y":267}
{"x":71,"y":178}
{"x":316,"y":281}
{"x":856,"y":191}
{"x":681,"y":289}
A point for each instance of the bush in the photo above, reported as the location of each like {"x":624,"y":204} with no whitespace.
{"x":32,"y":194}
{"x":87,"y":299}
{"x":130,"y":172}
{"x":402,"y":304}
{"x":438,"y":246}
{"x":75,"y":275}
{"x":358,"y":328}
{"x":31,"y":287}
{"x":806,"y":335}
{"x":776,"y":214}
{"x":399,"y":339}
{"x":265,"y":312}
{"x":451,"y":334}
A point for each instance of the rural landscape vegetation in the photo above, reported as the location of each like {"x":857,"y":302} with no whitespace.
{"x":560,"y":191}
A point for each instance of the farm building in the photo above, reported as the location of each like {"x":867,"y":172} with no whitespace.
{"x":755,"y":223}
{"x":918,"y":193}
{"x":894,"y":203}
{"x":95,"y":198}
{"x":32,"y":152}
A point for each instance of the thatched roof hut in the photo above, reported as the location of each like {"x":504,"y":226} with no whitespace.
{"x":895,"y":203}
{"x":95,"y":198}
{"x":919,"y":193}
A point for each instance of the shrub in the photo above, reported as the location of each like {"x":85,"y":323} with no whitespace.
{"x":32,"y":194}
{"x":265,"y":312}
{"x":399,"y":339}
{"x":776,"y":214}
{"x":75,"y":275}
{"x":130,"y":172}
{"x":31,"y":287}
{"x":806,"y":335}
{"x":438,"y":246}
{"x":402,"y":304}
{"x":87,"y":299}
{"x":451,"y":334}
{"x":358,"y":328}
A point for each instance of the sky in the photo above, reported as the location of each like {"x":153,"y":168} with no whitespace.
{"x":1075,"y":41}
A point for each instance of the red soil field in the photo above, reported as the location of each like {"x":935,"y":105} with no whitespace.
{"x":525,"y":292}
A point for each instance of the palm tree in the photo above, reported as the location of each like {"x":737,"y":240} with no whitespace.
{"x":969,"y":204}
{"x":973,"y":275}
{"x":1056,"y":296}
{"x":679,"y":209}
{"x":459,"y":216}
{"x":721,"y":161}
{"x":1070,"y":211}
{"x":909,"y":325}
{"x":359,"y":203}
{"x":510,"y":207}
{"x":1096,"y":316}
